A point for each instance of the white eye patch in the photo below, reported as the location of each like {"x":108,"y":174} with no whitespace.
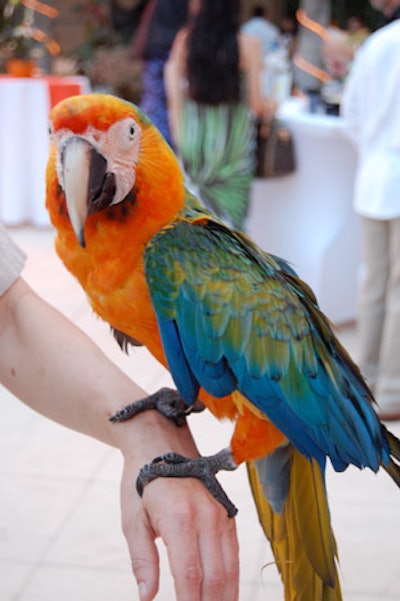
{"x":119,"y":145}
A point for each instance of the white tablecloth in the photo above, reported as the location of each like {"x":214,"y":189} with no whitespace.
{"x":24,"y":146}
{"x":307,"y":217}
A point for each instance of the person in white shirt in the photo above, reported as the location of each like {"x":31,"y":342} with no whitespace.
{"x":371,"y":112}
{"x":259,"y":27}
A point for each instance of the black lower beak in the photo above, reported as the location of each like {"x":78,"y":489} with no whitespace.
{"x":101,"y":185}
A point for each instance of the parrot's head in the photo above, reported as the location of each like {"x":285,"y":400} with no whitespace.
{"x":109,"y":159}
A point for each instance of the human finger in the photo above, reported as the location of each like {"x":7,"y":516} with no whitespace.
{"x":230,"y":552}
{"x":177,"y":527}
{"x":203,"y":549}
{"x":220,"y":557}
{"x":140,"y":538}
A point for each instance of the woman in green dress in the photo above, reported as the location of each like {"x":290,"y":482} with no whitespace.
{"x":214,"y":96}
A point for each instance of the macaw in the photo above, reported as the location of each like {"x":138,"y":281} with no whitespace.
{"x":235,"y":326}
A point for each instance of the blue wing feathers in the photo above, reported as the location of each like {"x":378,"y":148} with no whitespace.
{"x":232,"y":317}
{"x":181,"y":371}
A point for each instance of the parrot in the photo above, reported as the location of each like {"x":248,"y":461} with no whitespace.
{"x":241,"y":334}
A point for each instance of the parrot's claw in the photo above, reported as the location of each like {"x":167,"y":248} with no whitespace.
{"x":166,"y":401}
{"x":172,"y":465}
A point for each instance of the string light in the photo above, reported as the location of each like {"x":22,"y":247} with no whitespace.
{"x":322,"y":32}
{"x":314,"y":26}
{"x":41,"y":7}
{"x":38,"y":34}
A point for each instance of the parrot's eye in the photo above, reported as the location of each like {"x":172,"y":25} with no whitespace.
{"x":125,"y":135}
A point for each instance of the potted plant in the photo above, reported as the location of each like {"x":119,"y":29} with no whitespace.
{"x":17,"y":39}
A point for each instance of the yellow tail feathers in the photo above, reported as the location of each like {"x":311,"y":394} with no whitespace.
{"x":301,"y":536}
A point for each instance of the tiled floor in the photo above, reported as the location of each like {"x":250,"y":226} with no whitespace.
{"x":60,"y":535}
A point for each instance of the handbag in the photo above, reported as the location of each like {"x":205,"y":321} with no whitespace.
{"x":275,"y":149}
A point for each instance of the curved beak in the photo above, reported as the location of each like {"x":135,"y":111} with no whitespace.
{"x":87,"y":185}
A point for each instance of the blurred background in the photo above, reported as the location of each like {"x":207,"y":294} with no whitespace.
{"x":97,"y":38}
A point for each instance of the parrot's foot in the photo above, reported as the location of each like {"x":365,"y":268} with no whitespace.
{"x":172,"y":465}
{"x":168,"y":402}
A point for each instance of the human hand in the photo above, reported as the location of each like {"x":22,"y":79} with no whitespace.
{"x":337,"y":52}
{"x":270,"y":106}
{"x":200,"y":539}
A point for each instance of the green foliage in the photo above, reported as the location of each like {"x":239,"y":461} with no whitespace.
{"x":16,"y":30}
{"x":99,"y":33}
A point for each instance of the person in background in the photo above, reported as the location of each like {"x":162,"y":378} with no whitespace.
{"x":337,"y":52}
{"x":260,"y":27}
{"x":340,"y":45}
{"x":288,"y":30}
{"x":52,"y":366}
{"x":357,"y":31}
{"x":214,"y":95}
{"x":160,"y":22}
{"x":371,"y":114}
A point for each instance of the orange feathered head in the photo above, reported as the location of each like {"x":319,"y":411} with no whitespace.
{"x":106,"y":153}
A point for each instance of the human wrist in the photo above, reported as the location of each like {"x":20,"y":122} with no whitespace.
{"x":149,"y":434}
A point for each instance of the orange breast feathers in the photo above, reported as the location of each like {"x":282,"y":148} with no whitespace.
{"x":110,"y":267}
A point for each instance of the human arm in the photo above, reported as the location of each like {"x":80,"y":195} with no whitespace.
{"x":352,"y":100}
{"x":57,"y":370}
{"x":252,"y":64}
{"x":174,"y":73}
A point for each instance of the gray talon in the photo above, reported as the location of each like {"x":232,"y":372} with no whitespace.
{"x":167,"y":401}
{"x":172,"y":465}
